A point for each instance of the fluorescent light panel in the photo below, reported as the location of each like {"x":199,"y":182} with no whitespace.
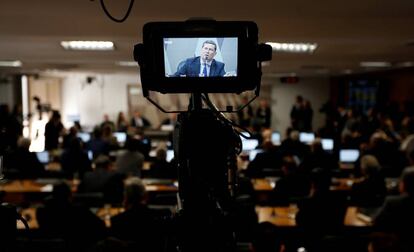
{"x":375,"y":64}
{"x":293,"y":47}
{"x":127,"y":63}
{"x":10,"y":63}
{"x":88,"y":45}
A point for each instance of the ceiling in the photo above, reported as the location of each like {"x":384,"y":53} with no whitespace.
{"x":348,"y":32}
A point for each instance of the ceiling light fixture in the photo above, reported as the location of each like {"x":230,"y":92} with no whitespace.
{"x":10,"y":63}
{"x":88,"y":45}
{"x":127,"y":63}
{"x":375,"y":64}
{"x":293,"y":47}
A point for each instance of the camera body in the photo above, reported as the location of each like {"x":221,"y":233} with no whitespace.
{"x":168,"y":47}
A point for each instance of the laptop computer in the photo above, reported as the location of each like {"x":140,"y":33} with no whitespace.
{"x":249,"y":144}
{"x":276,"y":139}
{"x":120,"y":137}
{"x":253,"y":154}
{"x":306,"y":137}
{"x":327,"y":144}
{"x":84,"y":136}
{"x":43,"y":157}
{"x":170,"y":155}
{"x":348,"y":158}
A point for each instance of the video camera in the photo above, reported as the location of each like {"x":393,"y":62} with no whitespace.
{"x":168,"y":47}
{"x":201,"y":57}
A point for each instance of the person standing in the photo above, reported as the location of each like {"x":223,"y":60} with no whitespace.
{"x":53,"y":130}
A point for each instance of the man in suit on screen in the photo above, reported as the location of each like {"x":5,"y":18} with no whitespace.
{"x":204,"y":65}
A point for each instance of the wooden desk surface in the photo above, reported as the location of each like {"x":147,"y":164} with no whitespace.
{"x":338,"y":184}
{"x":285,"y":216}
{"x":45,"y":185}
{"x":280,"y":216}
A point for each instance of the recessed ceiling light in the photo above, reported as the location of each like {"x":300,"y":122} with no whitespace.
{"x":405,"y":64}
{"x":88,"y":45}
{"x":293,"y":47}
{"x":10,"y":63}
{"x":265,"y":63}
{"x":375,"y":64}
{"x":127,"y":63}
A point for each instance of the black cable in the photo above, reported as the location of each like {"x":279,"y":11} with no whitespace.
{"x":23,"y":220}
{"x":207,"y":100}
{"x":131,"y":3}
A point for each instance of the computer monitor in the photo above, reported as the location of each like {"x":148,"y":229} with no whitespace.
{"x":327,"y":144}
{"x":249,"y":144}
{"x":84,"y":136}
{"x":253,"y":154}
{"x":120,"y":137}
{"x":43,"y":157}
{"x":306,"y":137}
{"x":170,"y":155}
{"x":348,"y":155}
{"x":90,"y":155}
{"x":276,"y":138}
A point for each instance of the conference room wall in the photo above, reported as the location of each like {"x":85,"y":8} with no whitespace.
{"x":316,"y":90}
{"x":7,"y":92}
{"x":105,"y":94}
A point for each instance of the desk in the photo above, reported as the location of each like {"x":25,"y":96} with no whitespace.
{"x":280,"y":216}
{"x":285,"y":216}
{"x":18,"y":191}
{"x":338,"y":184}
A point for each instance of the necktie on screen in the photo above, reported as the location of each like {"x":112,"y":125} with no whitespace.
{"x":205,"y":70}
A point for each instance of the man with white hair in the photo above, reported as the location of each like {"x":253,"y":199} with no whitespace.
{"x":138,"y":224}
{"x":396,"y":215}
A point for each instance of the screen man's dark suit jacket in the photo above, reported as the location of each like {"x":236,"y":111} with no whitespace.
{"x":191,"y":68}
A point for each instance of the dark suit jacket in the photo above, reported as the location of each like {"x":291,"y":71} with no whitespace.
{"x":396,"y":216}
{"x":191,"y":68}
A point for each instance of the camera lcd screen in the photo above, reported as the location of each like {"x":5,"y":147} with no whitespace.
{"x":176,"y":57}
{"x":200,"y":57}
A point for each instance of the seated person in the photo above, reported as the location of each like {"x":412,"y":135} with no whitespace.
{"x":292,"y":145}
{"x":319,"y":158}
{"x":294,"y":183}
{"x":103,"y":180}
{"x":396,"y":215}
{"x":138,"y":223}
{"x":161,"y":168}
{"x":204,"y":65}
{"x":131,"y":160}
{"x":270,"y":160}
{"x":322,"y":213}
{"x":77,"y":225}
{"x":371,"y":190}
{"x":24,"y":162}
{"x":75,"y":160}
